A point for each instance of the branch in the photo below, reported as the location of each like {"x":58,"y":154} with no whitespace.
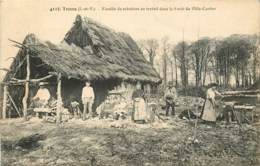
{"x":4,"y":69}
{"x":18,"y":43}
{"x":9,"y":58}
{"x":41,"y":79}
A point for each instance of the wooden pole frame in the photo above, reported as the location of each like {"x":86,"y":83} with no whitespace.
{"x":59,"y":100}
{"x":5,"y":102}
{"x":26,"y":86}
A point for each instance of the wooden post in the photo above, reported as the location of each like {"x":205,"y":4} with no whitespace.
{"x":59,"y":99}
{"x":5,"y":102}
{"x":26,"y":87}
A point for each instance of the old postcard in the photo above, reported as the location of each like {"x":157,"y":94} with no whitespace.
{"x":131,"y":83}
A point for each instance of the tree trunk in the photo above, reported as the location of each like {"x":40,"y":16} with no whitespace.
{"x":164,"y":70}
{"x":254,"y":65}
{"x":243,"y":76}
{"x":183,"y":68}
{"x":176,"y":72}
{"x":171,"y":71}
{"x":205,"y":74}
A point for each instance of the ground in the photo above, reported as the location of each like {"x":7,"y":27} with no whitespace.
{"x":106,"y":142}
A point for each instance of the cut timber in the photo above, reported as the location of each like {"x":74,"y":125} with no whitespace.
{"x":5,"y":101}
{"x":59,"y":99}
{"x":26,"y":88}
{"x":241,"y":92}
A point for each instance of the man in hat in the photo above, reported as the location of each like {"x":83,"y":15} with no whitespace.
{"x":87,"y":98}
{"x":170,"y":97}
{"x":42,"y":96}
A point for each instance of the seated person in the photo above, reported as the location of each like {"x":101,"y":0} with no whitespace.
{"x":42,"y":96}
{"x":75,"y":109}
{"x":106,"y":108}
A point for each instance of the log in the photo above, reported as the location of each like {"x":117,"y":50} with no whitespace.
{"x":5,"y":101}
{"x":240,"y":92}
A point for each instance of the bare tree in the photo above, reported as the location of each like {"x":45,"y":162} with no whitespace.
{"x":182,"y":57}
{"x":201,"y":51}
{"x":165,"y":49}
{"x":149,"y":47}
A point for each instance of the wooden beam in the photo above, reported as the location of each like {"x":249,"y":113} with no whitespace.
{"x":5,"y":102}
{"x":26,"y":87}
{"x":59,"y":100}
{"x":11,"y":83}
{"x":32,"y":80}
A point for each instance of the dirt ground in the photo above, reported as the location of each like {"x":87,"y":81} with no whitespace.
{"x":109,"y":143}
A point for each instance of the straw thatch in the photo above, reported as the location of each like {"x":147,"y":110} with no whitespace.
{"x":120,"y":52}
{"x":91,"y":51}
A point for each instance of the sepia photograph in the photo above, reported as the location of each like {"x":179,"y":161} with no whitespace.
{"x":129,"y":83}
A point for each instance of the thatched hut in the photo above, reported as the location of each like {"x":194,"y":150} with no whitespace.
{"x":89,"y":51}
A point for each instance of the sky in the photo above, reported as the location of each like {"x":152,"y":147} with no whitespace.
{"x":222,"y":18}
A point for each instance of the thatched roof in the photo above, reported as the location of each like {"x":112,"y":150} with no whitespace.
{"x":91,"y":51}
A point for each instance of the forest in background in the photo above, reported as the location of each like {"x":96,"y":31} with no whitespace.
{"x":232,"y":62}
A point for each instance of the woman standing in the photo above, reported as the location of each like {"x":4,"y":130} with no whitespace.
{"x":209,"y":113}
{"x":139,"y":105}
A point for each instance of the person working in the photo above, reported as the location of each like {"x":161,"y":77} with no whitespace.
{"x":209,"y":113}
{"x":170,"y":97}
{"x":42,"y":96}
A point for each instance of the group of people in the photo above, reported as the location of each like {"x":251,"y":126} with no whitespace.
{"x":140,"y":111}
{"x":43,"y":96}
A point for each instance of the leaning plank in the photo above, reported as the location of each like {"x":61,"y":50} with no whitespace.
{"x":15,"y":107}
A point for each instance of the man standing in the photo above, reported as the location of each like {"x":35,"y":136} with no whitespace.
{"x":42,"y":96}
{"x":87,"y":97}
{"x":170,"y":97}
